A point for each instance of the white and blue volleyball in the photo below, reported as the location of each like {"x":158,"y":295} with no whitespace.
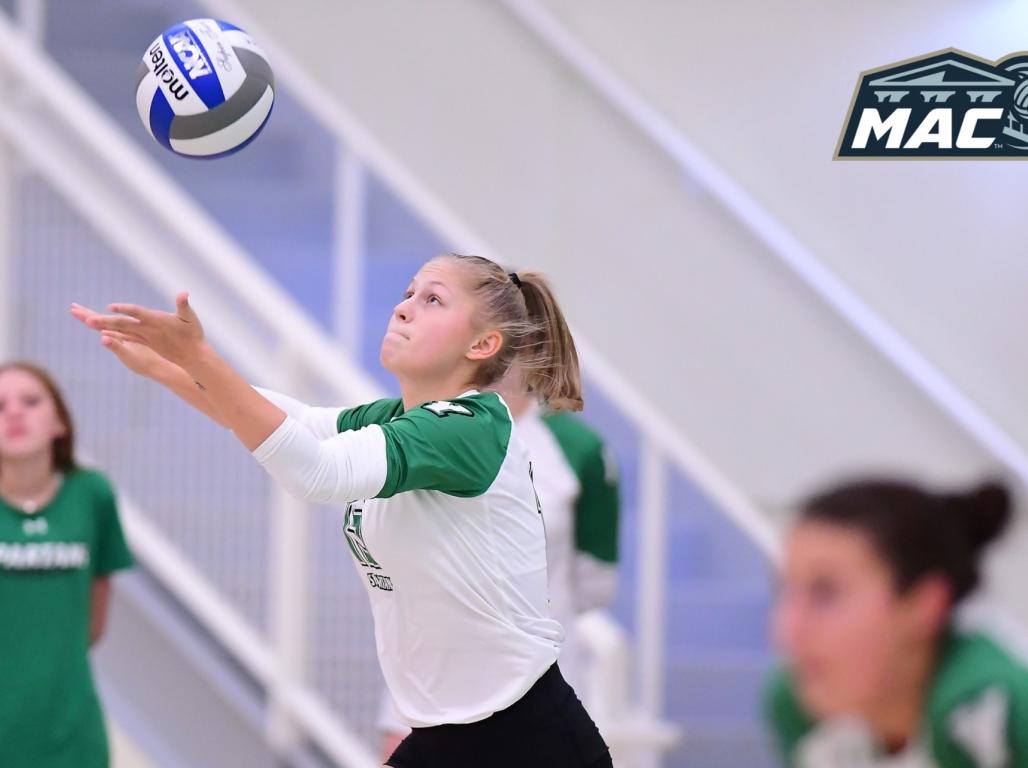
{"x":205,"y":89}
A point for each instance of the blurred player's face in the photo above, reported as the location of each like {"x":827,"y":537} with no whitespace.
{"x":845,"y":630}
{"x":431,"y":329}
{"x":29,"y":422}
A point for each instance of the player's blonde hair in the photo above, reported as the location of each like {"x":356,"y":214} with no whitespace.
{"x":522,"y":307}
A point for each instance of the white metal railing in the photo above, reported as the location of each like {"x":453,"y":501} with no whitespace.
{"x":43,"y":144}
{"x":782,"y":243}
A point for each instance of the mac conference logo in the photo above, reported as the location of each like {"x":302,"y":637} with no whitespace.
{"x":948,"y":104}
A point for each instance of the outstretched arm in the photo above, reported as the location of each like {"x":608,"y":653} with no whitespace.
{"x":297,"y":444}
{"x":140,"y":359}
{"x":178,"y":338}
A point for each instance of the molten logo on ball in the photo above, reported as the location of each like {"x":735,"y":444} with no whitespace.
{"x":166,"y":73}
{"x":948,"y":104}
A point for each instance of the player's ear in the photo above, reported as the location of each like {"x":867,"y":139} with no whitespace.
{"x":485,"y":346}
{"x":928,"y":604}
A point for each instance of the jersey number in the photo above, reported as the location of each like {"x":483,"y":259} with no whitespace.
{"x":443,"y":408}
{"x":352,"y":529}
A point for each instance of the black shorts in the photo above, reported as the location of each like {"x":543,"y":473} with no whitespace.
{"x":547,"y":728}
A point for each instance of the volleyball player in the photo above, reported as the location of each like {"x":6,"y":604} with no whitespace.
{"x":60,"y":541}
{"x":880,"y":674}
{"x":441,"y":516}
{"x":576,"y":478}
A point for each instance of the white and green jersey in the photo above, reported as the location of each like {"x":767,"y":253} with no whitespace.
{"x":975,"y":716}
{"x":444,"y":527}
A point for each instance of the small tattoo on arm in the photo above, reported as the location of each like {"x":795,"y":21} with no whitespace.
{"x":200,"y":386}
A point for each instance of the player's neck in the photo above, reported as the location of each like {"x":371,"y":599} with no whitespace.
{"x":897,"y":718}
{"x":26,"y":476}
{"x":519,"y":403}
{"x":415,"y":393}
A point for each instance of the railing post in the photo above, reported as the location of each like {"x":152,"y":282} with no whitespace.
{"x":8,"y":186}
{"x":348,"y":249}
{"x":651,"y":598}
{"x":289,"y":546}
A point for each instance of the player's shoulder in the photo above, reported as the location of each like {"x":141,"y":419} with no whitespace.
{"x":979,"y":700}
{"x":583,"y":446}
{"x":482,"y":413}
{"x":783,"y":711}
{"x":376,"y":412}
{"x":572,"y":429}
{"x":972,"y":664}
{"x":457,"y":446}
{"x":88,"y":480}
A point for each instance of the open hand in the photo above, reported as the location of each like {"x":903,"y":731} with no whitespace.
{"x":140,"y":336}
{"x":133,"y":354}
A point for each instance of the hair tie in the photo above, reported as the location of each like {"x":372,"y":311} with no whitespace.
{"x":514,"y":278}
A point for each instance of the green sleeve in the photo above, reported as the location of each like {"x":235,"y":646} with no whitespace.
{"x":787,"y":720}
{"x":1018,"y":722}
{"x":597,"y":508}
{"x":378,"y":412}
{"x":111,"y":553}
{"x":978,"y":704}
{"x":456,"y":447}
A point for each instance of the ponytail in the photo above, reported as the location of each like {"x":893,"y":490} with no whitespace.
{"x":551,"y":370}
{"x":522,"y":307}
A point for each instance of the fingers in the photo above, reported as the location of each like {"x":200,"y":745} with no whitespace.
{"x":183,"y":309}
{"x":113,"y":323}
{"x":81,"y":313}
{"x":134,"y":310}
{"x":134,"y":338}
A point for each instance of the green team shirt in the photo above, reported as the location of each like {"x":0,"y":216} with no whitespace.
{"x":976,"y":716}
{"x":597,"y":503}
{"x":50,"y":716}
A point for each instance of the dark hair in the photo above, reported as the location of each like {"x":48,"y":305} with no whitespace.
{"x":916,"y":531}
{"x":63,"y":448}
{"x":524,"y":310}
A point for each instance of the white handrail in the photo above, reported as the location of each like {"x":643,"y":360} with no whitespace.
{"x":336,"y":119}
{"x":776,"y":236}
{"x":7,"y":174}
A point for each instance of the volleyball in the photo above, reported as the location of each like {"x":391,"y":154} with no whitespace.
{"x":204,"y":89}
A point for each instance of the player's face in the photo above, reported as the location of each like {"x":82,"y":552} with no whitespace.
{"x":431,"y":329}
{"x":28,"y":416}
{"x":844,"y":629}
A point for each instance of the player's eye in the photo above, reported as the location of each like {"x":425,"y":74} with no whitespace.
{"x":434,"y":298}
{"x":823,"y":593}
{"x":32,"y":401}
{"x":408,"y":293}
